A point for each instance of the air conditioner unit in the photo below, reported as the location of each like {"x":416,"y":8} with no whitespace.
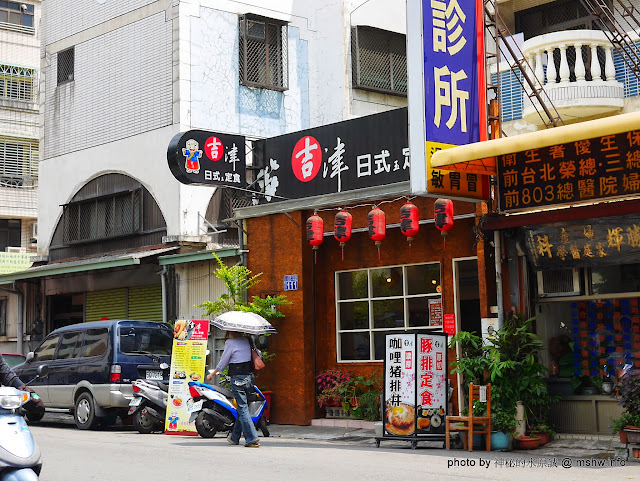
{"x":17,"y":250}
{"x":34,"y":233}
{"x":559,"y":282}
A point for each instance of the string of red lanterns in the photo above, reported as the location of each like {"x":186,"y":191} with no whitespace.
{"x":377,"y":227}
{"x":443,"y":212}
{"x":409,"y":221}
{"x":342,"y":228}
{"x":409,"y":225}
{"x":315,"y":233}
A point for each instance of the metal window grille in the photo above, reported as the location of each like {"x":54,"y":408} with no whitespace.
{"x":17,"y":17}
{"x":16,"y":83}
{"x":18,"y":162}
{"x":66,"y":64}
{"x":102,"y":218}
{"x":379,"y":60}
{"x":263,"y":53}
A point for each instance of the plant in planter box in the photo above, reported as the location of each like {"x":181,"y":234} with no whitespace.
{"x":354,"y":389}
{"x":370,"y":404}
{"x":331,"y":385}
{"x":629,"y":398}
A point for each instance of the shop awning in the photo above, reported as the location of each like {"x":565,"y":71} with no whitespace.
{"x":197,"y":256}
{"x":104,"y":262}
{"x":468,"y":156}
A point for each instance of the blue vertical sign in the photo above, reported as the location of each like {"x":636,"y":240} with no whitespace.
{"x":454,"y":84}
{"x":447,"y":93}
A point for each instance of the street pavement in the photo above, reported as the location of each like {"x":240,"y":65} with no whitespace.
{"x":303,"y":453}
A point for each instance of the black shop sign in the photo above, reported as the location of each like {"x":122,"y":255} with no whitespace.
{"x":208,"y":158}
{"x":354,"y":154}
{"x":585,"y":170}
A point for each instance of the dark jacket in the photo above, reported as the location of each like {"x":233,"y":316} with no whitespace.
{"x":7,"y":376}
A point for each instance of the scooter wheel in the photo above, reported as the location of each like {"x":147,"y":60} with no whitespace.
{"x":262,"y":425}
{"x":144,"y":422}
{"x":204,"y":425}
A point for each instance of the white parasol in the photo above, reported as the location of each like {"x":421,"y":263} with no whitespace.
{"x":240,"y":321}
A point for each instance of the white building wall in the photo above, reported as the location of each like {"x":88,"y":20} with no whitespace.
{"x":146,"y":70}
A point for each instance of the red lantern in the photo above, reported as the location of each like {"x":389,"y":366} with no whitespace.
{"x":409,"y":221}
{"x":315,"y":231}
{"x":342,"y":228}
{"x":377,"y":227}
{"x":443,"y":209}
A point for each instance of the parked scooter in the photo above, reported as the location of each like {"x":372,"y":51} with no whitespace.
{"x":149,"y":404}
{"x":213,"y":408}
{"x":19,"y":453}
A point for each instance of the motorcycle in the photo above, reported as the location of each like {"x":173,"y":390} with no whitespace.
{"x":214,"y":409}
{"x":19,"y":454}
{"x":149,"y":404}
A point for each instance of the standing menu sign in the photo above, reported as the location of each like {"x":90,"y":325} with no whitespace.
{"x":188,"y":361}
{"x":415,"y":391}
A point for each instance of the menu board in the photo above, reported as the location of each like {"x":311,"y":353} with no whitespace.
{"x":435,"y":312}
{"x":400,"y":376}
{"x":188,"y":360}
{"x":415,"y":391}
{"x":431,"y":383}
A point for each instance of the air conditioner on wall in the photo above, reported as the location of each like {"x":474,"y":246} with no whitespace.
{"x":34,"y":233}
{"x":559,"y":282}
{"x":18,"y":250}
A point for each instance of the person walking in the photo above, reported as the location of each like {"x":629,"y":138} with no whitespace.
{"x":237,"y":355}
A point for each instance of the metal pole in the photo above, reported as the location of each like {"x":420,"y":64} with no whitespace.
{"x":498,"y":260}
{"x":163,"y":281}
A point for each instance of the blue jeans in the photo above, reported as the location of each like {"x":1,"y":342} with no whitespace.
{"x":240,"y":387}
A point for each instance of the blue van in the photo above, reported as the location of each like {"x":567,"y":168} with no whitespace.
{"x":92,"y":366}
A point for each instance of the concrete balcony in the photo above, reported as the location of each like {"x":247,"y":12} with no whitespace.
{"x":580,"y":81}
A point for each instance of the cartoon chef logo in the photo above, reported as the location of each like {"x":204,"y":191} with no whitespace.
{"x":192,"y":155}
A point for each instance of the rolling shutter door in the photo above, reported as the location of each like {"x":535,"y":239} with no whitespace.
{"x":111,"y":304}
{"x":145,"y":303}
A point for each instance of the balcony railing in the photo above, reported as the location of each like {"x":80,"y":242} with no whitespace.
{"x":577,"y":71}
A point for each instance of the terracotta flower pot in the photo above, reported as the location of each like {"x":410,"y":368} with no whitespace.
{"x":624,"y":439}
{"x":545,"y":436}
{"x":527,"y":442}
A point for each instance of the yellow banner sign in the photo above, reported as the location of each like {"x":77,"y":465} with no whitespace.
{"x":449,"y":183}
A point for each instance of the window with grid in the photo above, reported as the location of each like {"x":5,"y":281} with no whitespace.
{"x":104,"y":217}
{"x":66,"y":65}
{"x":10,"y":233}
{"x":16,"y":83}
{"x":379,"y":60}
{"x":371,"y":303}
{"x":263,"y":53}
{"x":17,"y":16}
{"x":18,"y":162}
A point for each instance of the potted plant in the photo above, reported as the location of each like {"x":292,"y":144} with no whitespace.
{"x":629,"y":398}
{"x":503,"y":425}
{"x":544,"y":432}
{"x":619,"y":423}
{"x":532,"y":441}
{"x":238,"y":280}
{"x":330,"y":384}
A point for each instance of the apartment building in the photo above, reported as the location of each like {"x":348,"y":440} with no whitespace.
{"x":19,"y":146}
